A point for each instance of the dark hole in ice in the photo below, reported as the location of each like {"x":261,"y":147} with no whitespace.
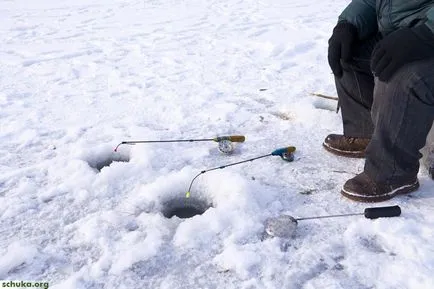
{"x":107,"y":160}
{"x":185,"y":207}
{"x":185,"y":212}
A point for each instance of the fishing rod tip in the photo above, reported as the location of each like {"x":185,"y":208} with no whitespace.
{"x":117,"y":147}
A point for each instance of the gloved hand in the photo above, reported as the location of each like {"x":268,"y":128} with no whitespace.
{"x":399,"y":48}
{"x":341,"y":45}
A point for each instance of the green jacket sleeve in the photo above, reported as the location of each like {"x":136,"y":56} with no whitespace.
{"x":362,"y":14}
{"x":430,"y":19}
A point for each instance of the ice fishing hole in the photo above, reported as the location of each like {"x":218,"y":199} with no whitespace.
{"x":105,"y":160}
{"x":185,"y":207}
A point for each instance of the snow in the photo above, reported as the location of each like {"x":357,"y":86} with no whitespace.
{"x":78,"y":77}
{"x":16,"y":255}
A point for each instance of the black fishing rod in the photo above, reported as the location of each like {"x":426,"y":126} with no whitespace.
{"x":284,"y":226}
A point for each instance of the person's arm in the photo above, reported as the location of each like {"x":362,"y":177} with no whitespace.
{"x":403,"y":46}
{"x":362,"y":14}
{"x":430,"y":19}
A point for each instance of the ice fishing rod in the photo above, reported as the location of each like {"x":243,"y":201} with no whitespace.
{"x":286,"y":153}
{"x":224,"y":142}
{"x":284,"y":226}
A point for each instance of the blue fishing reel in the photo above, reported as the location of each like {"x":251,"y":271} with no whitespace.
{"x":287,"y":153}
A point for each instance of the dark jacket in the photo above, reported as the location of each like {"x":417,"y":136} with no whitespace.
{"x":385,"y":16}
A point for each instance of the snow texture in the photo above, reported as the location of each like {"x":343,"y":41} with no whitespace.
{"x":77,"y":77}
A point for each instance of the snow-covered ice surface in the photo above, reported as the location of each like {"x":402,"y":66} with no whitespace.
{"x":79,"y":76}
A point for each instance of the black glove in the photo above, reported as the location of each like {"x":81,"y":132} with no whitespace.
{"x":341,"y":45}
{"x":399,"y":48}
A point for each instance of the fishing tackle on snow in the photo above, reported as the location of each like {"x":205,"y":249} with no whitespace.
{"x":284,"y":226}
{"x":286,"y":154}
{"x":225,"y":143}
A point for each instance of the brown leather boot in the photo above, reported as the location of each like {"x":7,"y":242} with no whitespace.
{"x":363,"y":189}
{"x":341,"y":145}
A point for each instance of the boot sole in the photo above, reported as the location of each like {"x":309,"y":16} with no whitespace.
{"x":348,"y":154}
{"x":380,"y":198}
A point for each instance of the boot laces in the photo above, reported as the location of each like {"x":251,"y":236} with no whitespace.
{"x":351,"y":139}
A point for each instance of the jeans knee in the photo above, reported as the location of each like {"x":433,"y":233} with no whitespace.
{"x":415,"y":79}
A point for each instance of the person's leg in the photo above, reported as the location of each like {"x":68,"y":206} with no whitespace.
{"x":428,"y":153}
{"x":355,"y":92}
{"x":403,"y":113}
